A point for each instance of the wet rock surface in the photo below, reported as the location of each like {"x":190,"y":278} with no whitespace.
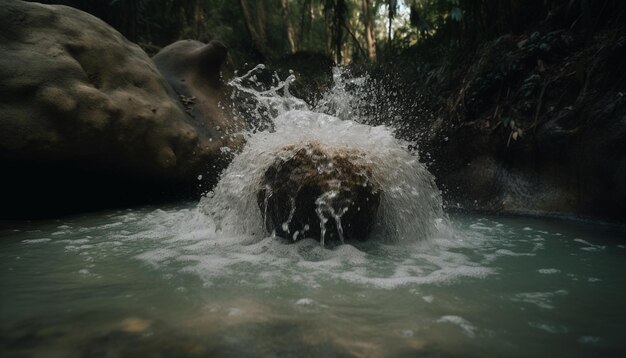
{"x":88,"y":122}
{"x":320,"y":193}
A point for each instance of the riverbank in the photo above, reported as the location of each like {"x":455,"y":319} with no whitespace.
{"x":532,"y":124}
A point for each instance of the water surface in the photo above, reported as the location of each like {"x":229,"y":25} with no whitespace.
{"x":164,"y":282}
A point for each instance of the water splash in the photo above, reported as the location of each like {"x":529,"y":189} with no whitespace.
{"x":410,"y":205}
{"x":266,"y":103}
{"x":347,"y":98}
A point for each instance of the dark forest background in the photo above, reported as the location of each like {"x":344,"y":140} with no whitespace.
{"x":345,"y":30}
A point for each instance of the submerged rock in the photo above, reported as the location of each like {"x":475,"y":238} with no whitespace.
{"x":320,"y":193}
{"x":87,"y":121}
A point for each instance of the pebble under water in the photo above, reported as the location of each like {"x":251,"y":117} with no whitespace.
{"x":163,"y":282}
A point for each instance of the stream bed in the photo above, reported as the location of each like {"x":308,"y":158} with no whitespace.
{"x":165,"y":282}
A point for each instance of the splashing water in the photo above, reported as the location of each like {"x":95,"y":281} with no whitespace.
{"x":346,"y":99}
{"x":410,"y":205}
{"x":148,"y":282}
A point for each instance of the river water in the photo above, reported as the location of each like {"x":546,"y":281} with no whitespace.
{"x":207,"y":279}
{"x":163,"y":282}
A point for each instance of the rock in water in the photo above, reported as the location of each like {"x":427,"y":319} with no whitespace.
{"x":87,"y":121}
{"x":320,"y":193}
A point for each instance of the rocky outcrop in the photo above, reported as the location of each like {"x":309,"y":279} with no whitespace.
{"x":87,"y":121}
{"x":540,"y":128}
{"x":532,"y":123}
{"x":192,"y":70}
{"x":319,"y":193}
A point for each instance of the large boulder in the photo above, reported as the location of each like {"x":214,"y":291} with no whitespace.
{"x":320,"y":193}
{"x":87,"y":121}
{"x":192,"y":70}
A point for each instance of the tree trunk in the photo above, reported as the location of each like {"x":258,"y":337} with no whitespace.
{"x":254,"y":36}
{"x":198,"y":20}
{"x":291,"y":34}
{"x":338,"y":37}
{"x":305,"y":24}
{"x":391,"y":14}
{"x":369,"y":30}
{"x":261,"y":20}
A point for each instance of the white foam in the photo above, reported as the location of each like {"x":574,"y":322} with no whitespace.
{"x":305,"y":302}
{"x":506,"y":252}
{"x":468,"y":328}
{"x":549,"y":327}
{"x":73,"y":242}
{"x":590,"y":246}
{"x":548,"y":271}
{"x":188,"y":241}
{"x":35,"y":241}
{"x":589,"y":340}
{"x":540,"y":299}
{"x":111,"y":225}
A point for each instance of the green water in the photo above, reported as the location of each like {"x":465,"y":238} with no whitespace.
{"x":164,"y":283}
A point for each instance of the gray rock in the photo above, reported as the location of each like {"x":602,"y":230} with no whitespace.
{"x":87,"y":120}
{"x":192,"y":69}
